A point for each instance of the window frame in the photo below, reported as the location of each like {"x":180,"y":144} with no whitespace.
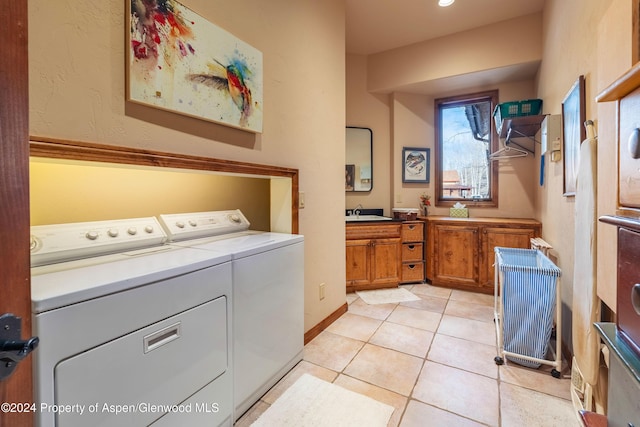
{"x":453,"y":101}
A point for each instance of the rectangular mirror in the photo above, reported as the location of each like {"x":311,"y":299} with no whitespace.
{"x":359,"y":159}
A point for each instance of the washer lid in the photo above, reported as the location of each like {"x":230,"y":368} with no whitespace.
{"x":246,"y":244}
{"x":58,"y":285}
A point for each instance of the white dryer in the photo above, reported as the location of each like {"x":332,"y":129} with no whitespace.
{"x":268,"y":295}
{"x":139,"y":336}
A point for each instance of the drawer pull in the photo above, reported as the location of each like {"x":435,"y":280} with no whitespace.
{"x":634,"y":144}
{"x":411,"y":226}
{"x":411,"y":266}
{"x":411,"y":247}
{"x":635,"y":298}
{"x":161,"y":337}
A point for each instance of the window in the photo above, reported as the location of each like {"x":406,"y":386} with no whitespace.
{"x":465,"y":137}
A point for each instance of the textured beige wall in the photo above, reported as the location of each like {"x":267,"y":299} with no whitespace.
{"x":372,"y":111}
{"x":406,"y":120}
{"x":413,"y":126}
{"x":77,"y":88}
{"x":515,"y":41}
{"x":63,"y":192}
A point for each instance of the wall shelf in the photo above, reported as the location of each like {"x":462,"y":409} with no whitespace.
{"x":521,"y":127}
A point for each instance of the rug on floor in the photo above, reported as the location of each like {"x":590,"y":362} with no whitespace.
{"x":311,"y":401}
{"x":387,"y":296}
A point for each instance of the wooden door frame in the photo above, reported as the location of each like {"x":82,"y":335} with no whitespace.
{"x":15,"y":282}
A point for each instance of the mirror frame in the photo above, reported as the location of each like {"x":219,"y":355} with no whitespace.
{"x":358,"y":134}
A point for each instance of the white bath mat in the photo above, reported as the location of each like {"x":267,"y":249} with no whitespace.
{"x":387,"y":296}
{"x":312,"y":402}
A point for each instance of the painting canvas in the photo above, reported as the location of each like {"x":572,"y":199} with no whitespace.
{"x":415,"y":164}
{"x":180,"y":62}
{"x":573,"y":133}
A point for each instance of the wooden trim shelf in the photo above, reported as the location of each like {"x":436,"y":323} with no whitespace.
{"x":624,"y":85}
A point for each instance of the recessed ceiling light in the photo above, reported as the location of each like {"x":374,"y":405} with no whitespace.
{"x":445,"y":3}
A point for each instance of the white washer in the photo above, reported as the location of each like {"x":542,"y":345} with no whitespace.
{"x":137,"y":337}
{"x":268,"y":295}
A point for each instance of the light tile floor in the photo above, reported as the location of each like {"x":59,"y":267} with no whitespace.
{"x":432,"y":360}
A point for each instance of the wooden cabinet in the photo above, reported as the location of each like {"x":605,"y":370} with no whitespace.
{"x":454,"y":255}
{"x":373,"y":254}
{"x":626,"y":90}
{"x":412,"y":253}
{"x":460,"y":251}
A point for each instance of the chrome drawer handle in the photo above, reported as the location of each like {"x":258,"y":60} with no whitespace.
{"x":635,"y":298}
{"x":634,"y":144}
{"x":161,"y":337}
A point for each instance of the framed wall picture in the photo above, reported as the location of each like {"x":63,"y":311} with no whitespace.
{"x":415,"y":164}
{"x":180,"y":62}
{"x":573,"y":133}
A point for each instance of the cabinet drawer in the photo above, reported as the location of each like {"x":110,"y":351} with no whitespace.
{"x":412,"y":272}
{"x":627,"y":292}
{"x":412,"y":252}
{"x":372,"y":231}
{"x":413,"y":232}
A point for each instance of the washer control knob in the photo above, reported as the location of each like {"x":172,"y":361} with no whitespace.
{"x":193,"y":223}
{"x":132,"y":231}
{"x":149,"y":229}
{"x":92,"y":235}
{"x":113,"y":232}
{"x":180,"y":224}
{"x":235,"y":218}
{"x":33,"y":244}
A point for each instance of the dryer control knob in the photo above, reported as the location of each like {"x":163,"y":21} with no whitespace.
{"x":193,"y":223}
{"x":235,"y":218}
{"x":180,"y":224}
{"x":132,"y":231}
{"x":33,"y":244}
{"x":149,"y":229}
{"x":92,"y":235}
{"x":113,"y":232}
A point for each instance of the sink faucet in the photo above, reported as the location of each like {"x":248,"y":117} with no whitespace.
{"x":356,"y":211}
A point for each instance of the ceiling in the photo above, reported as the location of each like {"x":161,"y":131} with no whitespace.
{"x":374,"y":26}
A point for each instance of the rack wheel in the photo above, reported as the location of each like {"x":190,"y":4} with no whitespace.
{"x":499,"y":360}
{"x":555,"y":373}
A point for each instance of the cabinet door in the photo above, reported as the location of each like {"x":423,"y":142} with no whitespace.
{"x":358,"y":254}
{"x":506,"y":237}
{"x":385,"y":262}
{"x":456,"y":254}
{"x":629,"y":165}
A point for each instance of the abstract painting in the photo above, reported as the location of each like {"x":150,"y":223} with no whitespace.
{"x":180,"y":62}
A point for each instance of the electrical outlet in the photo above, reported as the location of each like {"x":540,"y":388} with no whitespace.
{"x":321,"y":289}
{"x":399,"y":198}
